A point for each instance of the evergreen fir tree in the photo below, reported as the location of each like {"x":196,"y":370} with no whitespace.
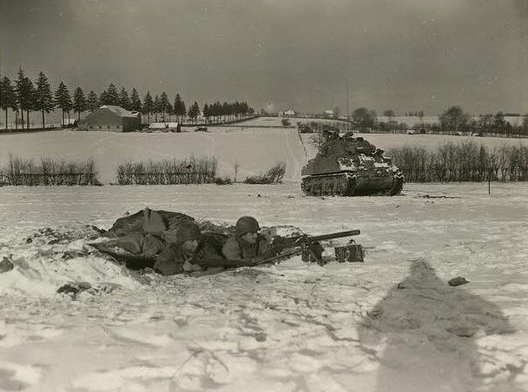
{"x":156,"y":107}
{"x":170,"y":109}
{"x":63,"y":100}
{"x":135,"y":102}
{"x":112,"y":96}
{"x":148,"y":105}
{"x":177,"y":107}
{"x":163,"y":104}
{"x":103,"y":98}
{"x":194,"y":111}
{"x":23,"y":93}
{"x":124,"y":101}
{"x":206,"y":112}
{"x":79,"y":102}
{"x":183,"y":109}
{"x":7,"y":96}
{"x":43,"y":97}
{"x":92,"y":102}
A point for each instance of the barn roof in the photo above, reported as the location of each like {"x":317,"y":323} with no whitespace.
{"x":119,"y":111}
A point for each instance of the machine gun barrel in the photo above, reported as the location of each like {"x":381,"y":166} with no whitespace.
{"x":290,"y":242}
{"x":330,"y":236}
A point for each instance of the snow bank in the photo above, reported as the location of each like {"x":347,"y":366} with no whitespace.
{"x":389,"y":324}
{"x":50,"y":258}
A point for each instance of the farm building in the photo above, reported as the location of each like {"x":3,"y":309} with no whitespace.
{"x":287,"y":113}
{"x":328,"y":114}
{"x":111,"y":118}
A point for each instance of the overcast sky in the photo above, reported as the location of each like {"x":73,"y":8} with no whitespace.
{"x":402,"y":54}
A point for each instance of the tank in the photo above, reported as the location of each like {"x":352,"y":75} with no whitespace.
{"x":350,"y":166}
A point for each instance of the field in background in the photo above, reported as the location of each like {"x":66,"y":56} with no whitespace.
{"x":255,"y":150}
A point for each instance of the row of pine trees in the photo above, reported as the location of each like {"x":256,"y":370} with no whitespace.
{"x":23,"y":97}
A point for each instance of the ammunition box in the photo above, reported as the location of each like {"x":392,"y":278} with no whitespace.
{"x":352,"y":253}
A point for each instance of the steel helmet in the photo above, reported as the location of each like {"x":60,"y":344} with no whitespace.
{"x":246,"y":224}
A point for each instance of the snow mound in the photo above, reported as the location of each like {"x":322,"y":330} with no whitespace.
{"x":53,"y":257}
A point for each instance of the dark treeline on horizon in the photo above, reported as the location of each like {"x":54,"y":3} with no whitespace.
{"x":23,"y":96}
{"x":452,"y":120}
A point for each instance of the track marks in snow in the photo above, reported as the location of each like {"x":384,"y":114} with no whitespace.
{"x":295,"y":171}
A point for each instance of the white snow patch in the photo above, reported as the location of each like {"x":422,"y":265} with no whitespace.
{"x":373,"y":326}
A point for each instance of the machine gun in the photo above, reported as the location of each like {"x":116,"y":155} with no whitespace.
{"x":282,"y":248}
{"x":307,"y":246}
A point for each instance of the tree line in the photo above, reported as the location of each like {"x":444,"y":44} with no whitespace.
{"x":452,"y":120}
{"x":23,"y":96}
{"x":466,"y":161}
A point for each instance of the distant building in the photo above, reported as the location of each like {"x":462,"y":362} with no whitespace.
{"x":288,"y":113}
{"x":111,"y":118}
{"x":328,"y":114}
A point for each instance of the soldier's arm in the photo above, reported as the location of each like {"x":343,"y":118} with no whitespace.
{"x":231,"y":250}
{"x":271,"y":247}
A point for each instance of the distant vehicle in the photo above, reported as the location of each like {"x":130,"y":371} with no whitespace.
{"x":330,"y":128}
{"x":201,"y":129}
{"x":416,"y":132}
{"x":304,"y":128}
{"x":478,"y":134}
{"x":350,"y":166}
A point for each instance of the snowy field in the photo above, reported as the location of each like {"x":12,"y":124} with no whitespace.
{"x":255,"y":150}
{"x":411,"y":121}
{"x":389,"y":324}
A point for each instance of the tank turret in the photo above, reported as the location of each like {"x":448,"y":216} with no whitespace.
{"x":350,"y":166}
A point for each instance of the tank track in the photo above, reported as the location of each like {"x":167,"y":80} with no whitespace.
{"x":336,"y":184}
{"x":397,"y":184}
{"x":344,"y":184}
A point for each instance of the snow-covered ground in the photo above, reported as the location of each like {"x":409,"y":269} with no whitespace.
{"x":255,"y":150}
{"x":389,"y":324}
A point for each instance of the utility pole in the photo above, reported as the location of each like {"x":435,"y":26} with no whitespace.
{"x":347,"y":103}
{"x":489,"y":180}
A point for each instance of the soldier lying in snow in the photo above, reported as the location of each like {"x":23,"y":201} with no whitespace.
{"x":172,"y":243}
{"x":247,"y":243}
